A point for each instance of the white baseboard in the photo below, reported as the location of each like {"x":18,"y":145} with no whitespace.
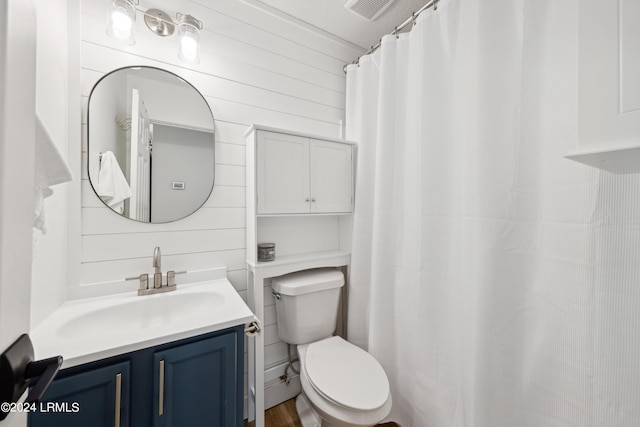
{"x":276,"y":390}
{"x":279,"y":391}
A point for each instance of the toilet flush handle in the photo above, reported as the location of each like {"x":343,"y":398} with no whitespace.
{"x":276,"y":294}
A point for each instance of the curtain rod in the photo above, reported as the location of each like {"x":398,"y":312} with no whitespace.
{"x":409,"y":20}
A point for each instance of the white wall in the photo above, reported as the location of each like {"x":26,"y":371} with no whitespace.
{"x":52,"y":84}
{"x":255,"y":68}
{"x":17,"y":123}
{"x":180,"y":155}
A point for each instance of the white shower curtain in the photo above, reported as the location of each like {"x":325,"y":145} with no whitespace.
{"x":497,"y":282}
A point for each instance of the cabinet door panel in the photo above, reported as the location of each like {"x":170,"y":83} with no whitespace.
{"x":96,"y":393}
{"x":331,"y":177}
{"x":195,"y":384}
{"x":609,"y":83}
{"x":282,"y":178}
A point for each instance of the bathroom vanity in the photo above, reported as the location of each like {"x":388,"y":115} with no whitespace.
{"x":174,"y":358}
{"x":194,"y":381}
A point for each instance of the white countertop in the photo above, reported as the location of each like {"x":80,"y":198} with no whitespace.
{"x":90,"y":329}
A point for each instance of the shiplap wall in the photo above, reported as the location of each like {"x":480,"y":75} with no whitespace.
{"x":256,"y":67}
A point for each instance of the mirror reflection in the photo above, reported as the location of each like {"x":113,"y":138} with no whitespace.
{"x":150,"y":144}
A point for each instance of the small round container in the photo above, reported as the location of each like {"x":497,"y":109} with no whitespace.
{"x":266,"y":251}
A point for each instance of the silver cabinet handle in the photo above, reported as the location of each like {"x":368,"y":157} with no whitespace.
{"x":306,"y":199}
{"x":161,"y":390}
{"x":313,"y":199}
{"x":116,"y":423}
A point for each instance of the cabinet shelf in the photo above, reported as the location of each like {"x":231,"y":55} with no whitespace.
{"x":301,"y":214}
{"x":317,"y":259}
{"x":616,"y":159}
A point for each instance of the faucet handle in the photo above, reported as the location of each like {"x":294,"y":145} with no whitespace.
{"x":171,"y":277}
{"x":144,"y":280}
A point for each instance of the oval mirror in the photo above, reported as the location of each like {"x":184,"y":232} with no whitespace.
{"x":150,"y":144}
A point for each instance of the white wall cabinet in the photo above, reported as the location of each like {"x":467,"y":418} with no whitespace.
{"x":300,"y":175}
{"x":609,"y":85}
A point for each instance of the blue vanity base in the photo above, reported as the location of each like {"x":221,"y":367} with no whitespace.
{"x":193,"y":382}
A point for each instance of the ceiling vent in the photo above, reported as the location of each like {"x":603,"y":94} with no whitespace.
{"x":368,"y":9}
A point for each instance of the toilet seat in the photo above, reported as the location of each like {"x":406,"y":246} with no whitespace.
{"x":346,"y":375}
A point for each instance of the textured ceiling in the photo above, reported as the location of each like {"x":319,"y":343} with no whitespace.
{"x":332,"y":17}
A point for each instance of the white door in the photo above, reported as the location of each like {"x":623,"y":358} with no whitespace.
{"x":282,"y":177}
{"x":139,"y":160}
{"x":331,"y":182}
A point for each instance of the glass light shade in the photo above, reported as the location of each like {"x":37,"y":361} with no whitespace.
{"x":121,"y":21}
{"x":189,"y":43}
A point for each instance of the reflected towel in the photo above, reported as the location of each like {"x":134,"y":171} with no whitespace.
{"x":113,"y":187}
{"x":50,"y":169}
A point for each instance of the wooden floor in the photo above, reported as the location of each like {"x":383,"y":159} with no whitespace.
{"x":284,"y":415}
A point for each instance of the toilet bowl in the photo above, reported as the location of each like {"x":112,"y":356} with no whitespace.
{"x":342,"y":385}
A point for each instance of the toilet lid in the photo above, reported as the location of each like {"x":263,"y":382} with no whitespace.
{"x":346,"y":374}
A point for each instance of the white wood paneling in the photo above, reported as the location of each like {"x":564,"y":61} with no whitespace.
{"x":229,"y":154}
{"x":256,"y":67}
{"x":112,"y":270}
{"x":104,"y":221}
{"x":139,"y":244}
{"x":104,"y":60}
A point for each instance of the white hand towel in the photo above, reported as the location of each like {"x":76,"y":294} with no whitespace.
{"x":50,"y":169}
{"x":113,"y":187}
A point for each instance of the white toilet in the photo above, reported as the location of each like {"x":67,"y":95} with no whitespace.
{"x":342,"y":385}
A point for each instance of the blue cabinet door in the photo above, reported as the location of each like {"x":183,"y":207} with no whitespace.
{"x":197,"y":384}
{"x":96,"y":398}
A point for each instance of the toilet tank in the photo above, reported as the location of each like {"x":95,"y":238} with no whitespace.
{"x":307,"y":304}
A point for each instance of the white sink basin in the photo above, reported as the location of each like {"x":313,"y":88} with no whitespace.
{"x":90,"y":329}
{"x":145,"y":312}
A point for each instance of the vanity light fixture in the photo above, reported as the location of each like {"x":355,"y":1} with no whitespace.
{"x":189,"y":32}
{"x":121,"y":21}
{"x":121,"y":25}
